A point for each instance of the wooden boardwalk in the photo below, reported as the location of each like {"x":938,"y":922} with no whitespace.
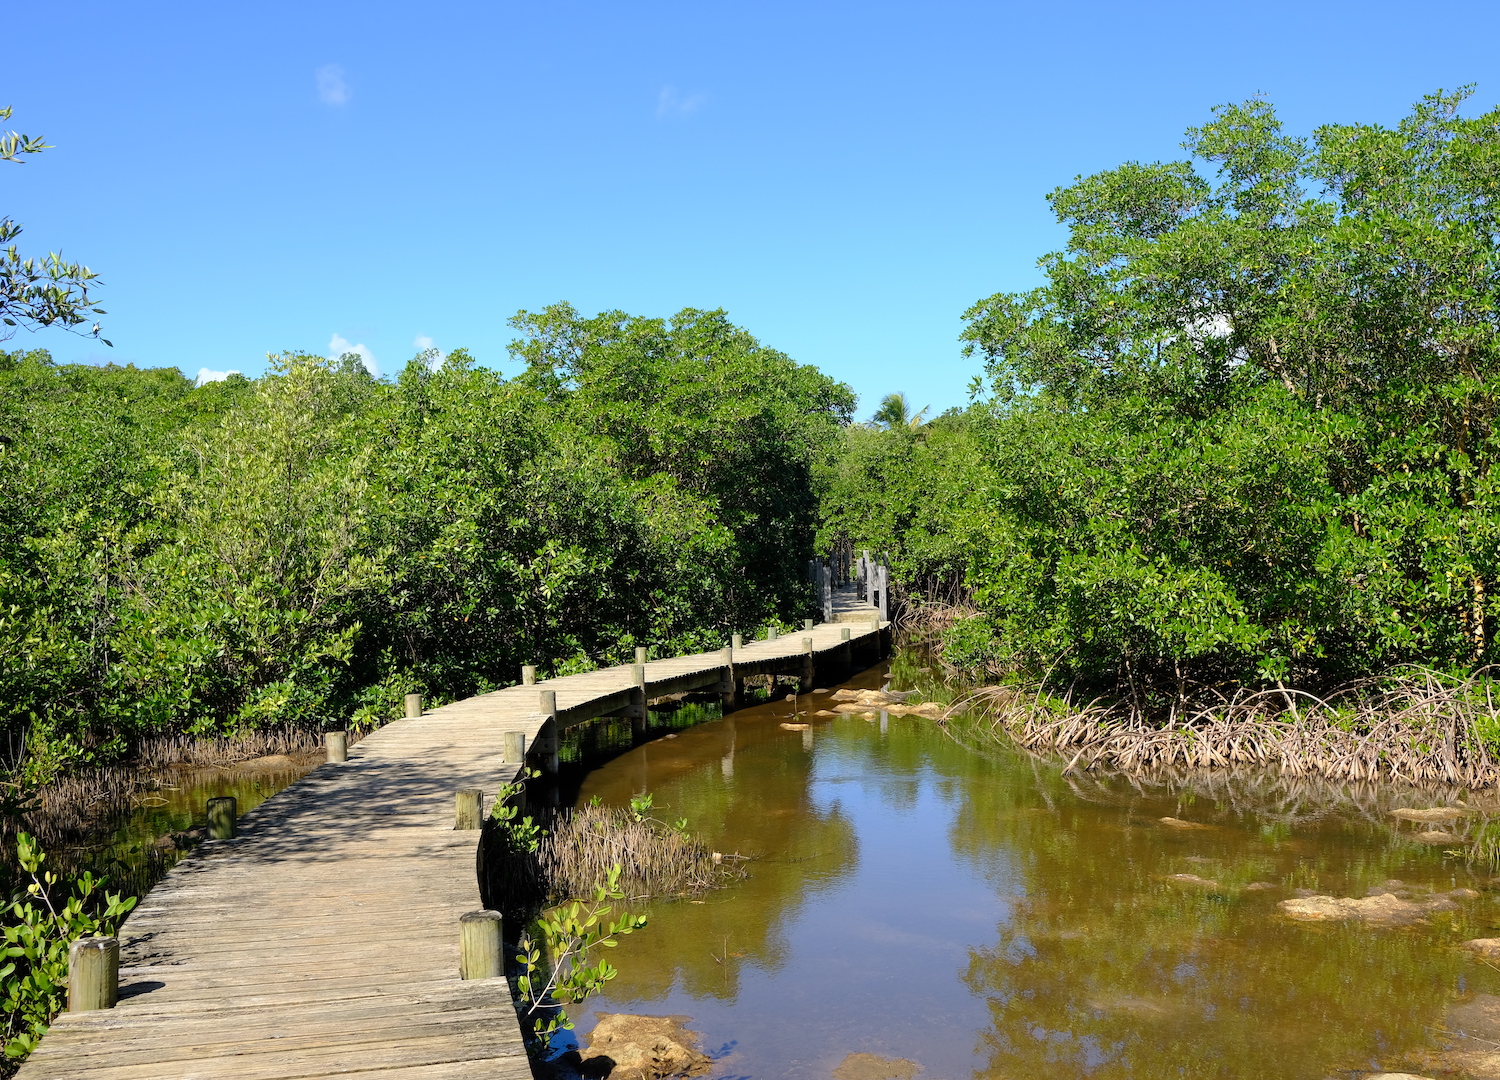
{"x":322,"y":941}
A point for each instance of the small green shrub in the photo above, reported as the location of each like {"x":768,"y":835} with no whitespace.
{"x":37,"y":933}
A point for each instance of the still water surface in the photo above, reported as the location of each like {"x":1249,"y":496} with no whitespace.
{"x":977,"y":915}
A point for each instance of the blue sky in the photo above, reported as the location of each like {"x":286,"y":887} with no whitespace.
{"x":843,"y":179}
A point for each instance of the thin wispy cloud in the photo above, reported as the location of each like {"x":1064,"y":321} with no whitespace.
{"x":427,"y":348}
{"x":207,"y":376}
{"x":332,"y":87}
{"x":670,"y":103}
{"x":339,"y":346}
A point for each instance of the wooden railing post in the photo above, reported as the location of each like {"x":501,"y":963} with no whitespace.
{"x":528,"y":674}
{"x":480,"y":948}
{"x":468,"y":808}
{"x":337,"y":744}
{"x":93,"y":974}
{"x":515,"y":747}
{"x":638,"y":696}
{"x":730,"y":688}
{"x":547,"y":738}
{"x":772,"y":633}
{"x":413,"y":706}
{"x":222,"y":813}
{"x":640,"y":654}
{"x":737,"y":641}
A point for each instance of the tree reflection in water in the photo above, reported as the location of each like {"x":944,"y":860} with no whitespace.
{"x":982,"y":913}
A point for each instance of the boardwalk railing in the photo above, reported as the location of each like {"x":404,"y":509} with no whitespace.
{"x":333,"y":931}
{"x":868,"y":575}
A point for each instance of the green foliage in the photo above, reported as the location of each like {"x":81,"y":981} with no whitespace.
{"x":310,"y":546}
{"x":39,"y":292}
{"x":1243,"y":433}
{"x":38,"y":933}
{"x":641,"y":805}
{"x":520,"y":834}
{"x":554,"y":957}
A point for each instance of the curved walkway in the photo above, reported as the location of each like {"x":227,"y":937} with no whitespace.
{"x":323,"y":940}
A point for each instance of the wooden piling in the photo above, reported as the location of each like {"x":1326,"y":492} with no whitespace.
{"x":93,"y":974}
{"x":737,"y":642}
{"x":807,"y":624}
{"x":480,"y":947}
{"x":772,"y":633}
{"x":413,"y":706}
{"x":640,"y":654}
{"x":545,"y":744}
{"x":222,"y":813}
{"x":468,"y":808}
{"x":638,"y":695}
{"x":528,"y":674}
{"x":515,"y":747}
{"x":808,"y":673}
{"x":844,"y":634}
{"x":729,"y":686}
{"x":337,"y":745}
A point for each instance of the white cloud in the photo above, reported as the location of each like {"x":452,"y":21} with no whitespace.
{"x":422,"y":343}
{"x":206,"y":376}
{"x":332,"y":89}
{"x":338,"y":346}
{"x":670,"y":103}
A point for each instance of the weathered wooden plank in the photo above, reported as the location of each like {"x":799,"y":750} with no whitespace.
{"x":241,"y":964}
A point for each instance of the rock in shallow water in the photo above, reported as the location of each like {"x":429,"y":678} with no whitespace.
{"x":1430,"y":813}
{"x":1384,"y":909}
{"x":626,"y":1047}
{"x":1178,"y":823}
{"x":875,"y":1067}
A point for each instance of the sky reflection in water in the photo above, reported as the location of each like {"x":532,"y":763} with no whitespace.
{"x":974,"y":914}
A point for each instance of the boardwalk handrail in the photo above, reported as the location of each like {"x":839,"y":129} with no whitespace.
{"x":324,"y":937}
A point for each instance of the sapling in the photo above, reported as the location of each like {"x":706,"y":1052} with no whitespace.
{"x":566,"y":935}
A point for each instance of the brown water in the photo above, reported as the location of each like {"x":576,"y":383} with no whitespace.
{"x":981,"y":915}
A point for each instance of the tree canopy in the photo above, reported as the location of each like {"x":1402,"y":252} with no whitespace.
{"x":309,"y":546}
{"x":1244,"y":431}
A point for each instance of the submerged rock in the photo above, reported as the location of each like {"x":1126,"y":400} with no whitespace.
{"x":1470,"y":1035}
{"x":875,"y":1067}
{"x":796,"y":727}
{"x":1436,"y":836}
{"x":1383,"y":909}
{"x":1178,"y":823}
{"x":178,"y":841}
{"x":1194,"y":880}
{"x":627,"y":1047}
{"x":270,"y":761}
{"x":1431,"y":813}
{"x":857,"y":701}
{"x":1488,"y":947}
{"x":1260,"y":886}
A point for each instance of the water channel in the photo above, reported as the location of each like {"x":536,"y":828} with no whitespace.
{"x":979,"y":915}
{"x":983,"y":915}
